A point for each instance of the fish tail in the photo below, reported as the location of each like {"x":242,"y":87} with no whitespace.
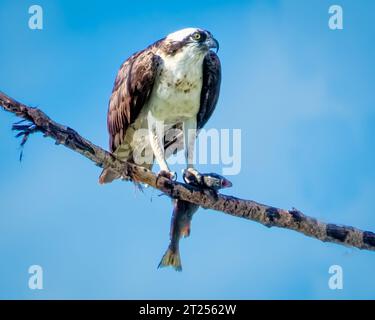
{"x":171,"y":258}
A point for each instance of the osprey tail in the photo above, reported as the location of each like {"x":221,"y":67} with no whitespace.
{"x":107,"y":176}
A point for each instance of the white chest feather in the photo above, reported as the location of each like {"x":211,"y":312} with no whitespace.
{"x":177,"y":89}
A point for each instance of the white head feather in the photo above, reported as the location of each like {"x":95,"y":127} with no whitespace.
{"x":181,"y":34}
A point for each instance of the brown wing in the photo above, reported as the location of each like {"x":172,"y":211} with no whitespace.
{"x":131,"y":90}
{"x":210,"y":89}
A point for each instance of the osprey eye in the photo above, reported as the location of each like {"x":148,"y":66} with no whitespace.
{"x":197,"y":36}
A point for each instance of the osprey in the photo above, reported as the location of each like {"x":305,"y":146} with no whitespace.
{"x":172,"y":84}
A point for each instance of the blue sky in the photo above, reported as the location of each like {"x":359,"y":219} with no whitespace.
{"x":302,"y":96}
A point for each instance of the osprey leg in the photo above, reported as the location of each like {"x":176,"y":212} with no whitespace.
{"x":190,"y":133}
{"x":156,"y":135}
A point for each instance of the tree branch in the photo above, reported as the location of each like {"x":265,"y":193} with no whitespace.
{"x":248,"y":209}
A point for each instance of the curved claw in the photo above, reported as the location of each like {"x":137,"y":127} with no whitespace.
{"x":192,"y":176}
{"x":168,"y":174}
{"x":173,"y":176}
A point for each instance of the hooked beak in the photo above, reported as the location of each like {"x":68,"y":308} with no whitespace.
{"x":212,"y":43}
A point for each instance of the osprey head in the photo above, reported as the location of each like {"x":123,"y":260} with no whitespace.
{"x":194,"y":38}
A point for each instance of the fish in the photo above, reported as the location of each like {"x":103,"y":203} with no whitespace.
{"x":183,"y":212}
{"x":182,"y":215}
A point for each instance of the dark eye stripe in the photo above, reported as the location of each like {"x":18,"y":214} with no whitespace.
{"x":203,"y":36}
